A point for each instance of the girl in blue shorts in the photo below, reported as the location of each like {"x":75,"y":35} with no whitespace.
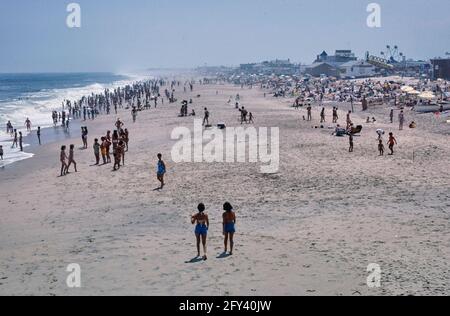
{"x":201,"y":229}
{"x":229,"y":222}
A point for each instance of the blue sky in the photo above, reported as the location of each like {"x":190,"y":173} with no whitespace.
{"x":127,"y":35}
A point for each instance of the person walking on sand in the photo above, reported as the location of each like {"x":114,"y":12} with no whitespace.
{"x":201,"y":221}
{"x":350,"y":139}
{"x":63,"y":159}
{"x":392,"y":142}
{"x":250,"y":118}
{"x":335,"y":115}
{"x":126,"y":138}
{"x":84,"y":136}
{"x":309,"y":109}
{"x":349,"y":119}
{"x":401,"y":120}
{"x":134,"y":114}
{"x":38,"y":133}
{"x":381,"y":147}
{"x":71,"y":159}
{"x":1,"y":152}
{"x":103,"y":149}
{"x":391,"y":116}
{"x":161,"y":171}
{"x":322,"y":116}
{"x":108,"y":147}
{"x":206,"y":117}
{"x":119,"y":125}
{"x":117,"y":152}
{"x":96,"y":147}
{"x":229,"y":222}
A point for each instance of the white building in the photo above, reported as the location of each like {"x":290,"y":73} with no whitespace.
{"x":357,"y":69}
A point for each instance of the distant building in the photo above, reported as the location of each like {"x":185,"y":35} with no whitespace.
{"x":277,"y":67}
{"x":441,"y":68}
{"x":357,"y":69}
{"x":340,"y":57}
{"x":322,"y":69}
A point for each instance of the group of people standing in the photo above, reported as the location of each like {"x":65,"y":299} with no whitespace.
{"x":201,"y":222}
{"x":17,"y":136}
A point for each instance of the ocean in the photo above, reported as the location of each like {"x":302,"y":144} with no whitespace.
{"x":35,"y":96}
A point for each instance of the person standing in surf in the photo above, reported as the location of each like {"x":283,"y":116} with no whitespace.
{"x":38,"y":133}
{"x":20,"y":141}
{"x":201,"y":221}
{"x":28,"y":124}
{"x":14,"y":144}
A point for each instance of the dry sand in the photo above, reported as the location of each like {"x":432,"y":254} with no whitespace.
{"x":311,"y":229}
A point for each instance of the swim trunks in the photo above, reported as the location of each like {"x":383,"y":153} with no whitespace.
{"x":201,"y":229}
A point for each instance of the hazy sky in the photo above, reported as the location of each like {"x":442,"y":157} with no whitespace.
{"x":126,"y":35}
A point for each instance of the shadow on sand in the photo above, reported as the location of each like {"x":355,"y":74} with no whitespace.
{"x":223,"y":255}
{"x":195,"y":260}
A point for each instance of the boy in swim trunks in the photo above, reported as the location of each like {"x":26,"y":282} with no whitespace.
{"x":392,"y":142}
{"x":201,"y":229}
{"x":381,"y":147}
{"x":229,"y":222}
{"x":161,"y":171}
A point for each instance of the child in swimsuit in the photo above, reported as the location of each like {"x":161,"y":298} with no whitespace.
{"x":161,"y":170}
{"x":201,"y":229}
{"x":381,"y":147}
{"x":392,"y":142}
{"x":229,"y":222}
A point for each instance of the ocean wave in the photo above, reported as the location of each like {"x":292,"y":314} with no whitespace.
{"x":38,"y":106}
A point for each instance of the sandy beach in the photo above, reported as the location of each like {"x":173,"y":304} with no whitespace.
{"x":310,"y":229}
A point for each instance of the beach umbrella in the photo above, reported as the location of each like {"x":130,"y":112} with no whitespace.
{"x":407,"y":88}
{"x":427,"y":95}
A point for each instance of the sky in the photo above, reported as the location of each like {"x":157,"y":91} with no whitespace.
{"x":129,"y":35}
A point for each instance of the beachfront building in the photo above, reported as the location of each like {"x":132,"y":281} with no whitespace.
{"x":441,"y":68}
{"x":357,"y":69}
{"x":323,"y":69}
{"x":276,"y":67}
{"x":340,"y":57}
{"x":330,"y":65}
